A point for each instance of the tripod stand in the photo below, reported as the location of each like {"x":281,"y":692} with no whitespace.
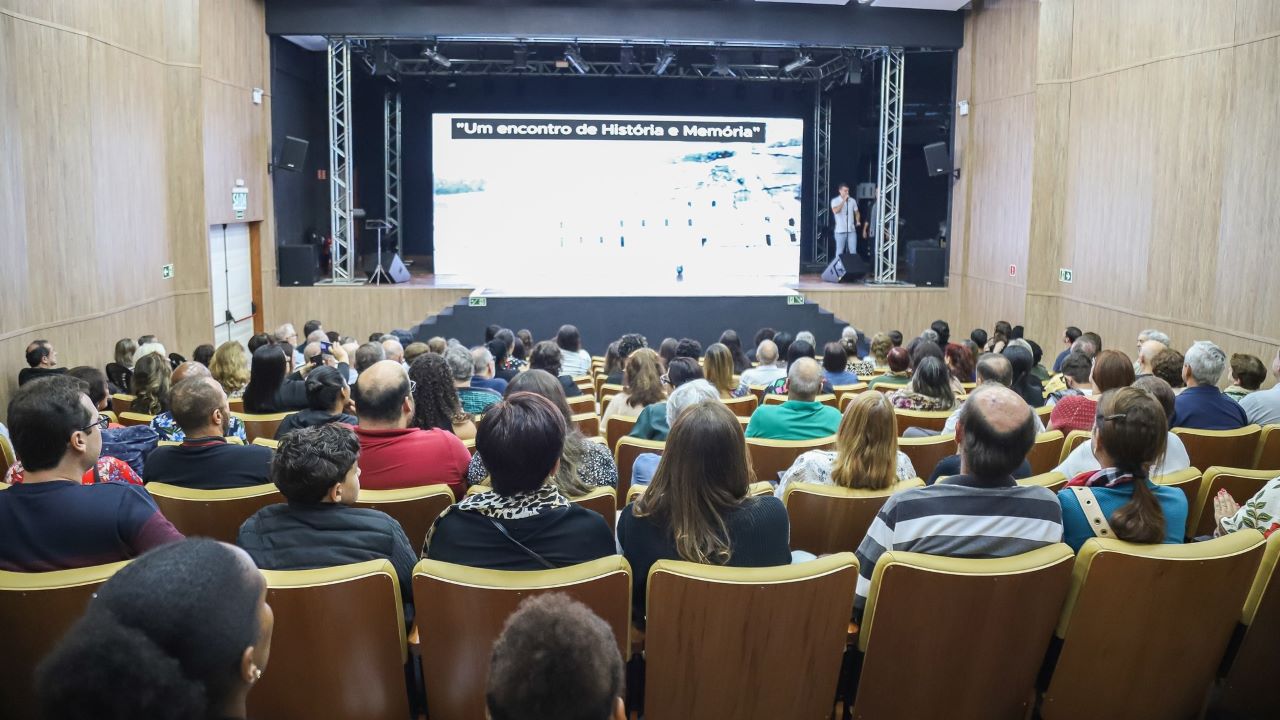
{"x":379,"y":275}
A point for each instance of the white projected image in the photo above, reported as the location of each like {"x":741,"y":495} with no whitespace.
{"x":522,"y":196}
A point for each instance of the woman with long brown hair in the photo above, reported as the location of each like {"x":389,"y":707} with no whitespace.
{"x":717,"y":365}
{"x":697,"y":508}
{"x":150,"y":384}
{"x":1129,"y":437}
{"x":641,"y":386}
{"x":866,"y":455}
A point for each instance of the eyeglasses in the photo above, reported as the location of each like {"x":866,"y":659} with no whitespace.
{"x":101,"y":423}
{"x":413,"y":386}
{"x":665,"y":379}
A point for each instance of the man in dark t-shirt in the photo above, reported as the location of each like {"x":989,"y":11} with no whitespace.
{"x":42,"y":361}
{"x":205,"y":460}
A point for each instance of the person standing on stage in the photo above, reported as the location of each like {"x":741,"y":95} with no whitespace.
{"x":845,"y":211}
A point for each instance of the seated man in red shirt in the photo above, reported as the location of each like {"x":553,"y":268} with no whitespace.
{"x":394,"y":455}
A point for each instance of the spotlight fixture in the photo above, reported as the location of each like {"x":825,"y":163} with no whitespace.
{"x":520,"y":58}
{"x":721,"y":67}
{"x":434,"y":56}
{"x":574,"y":58}
{"x":800,"y":61}
{"x":627,"y":58}
{"x":666,"y":56}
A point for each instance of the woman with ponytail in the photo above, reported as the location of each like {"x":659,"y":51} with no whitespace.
{"x":1119,"y":500}
{"x":181,"y":633}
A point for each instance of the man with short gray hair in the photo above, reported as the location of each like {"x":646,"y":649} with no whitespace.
{"x":682,"y":398}
{"x":1202,"y":405}
{"x":801,"y":417}
{"x":482,"y":371}
{"x":767,"y":371}
{"x":475,"y":400}
{"x":1263,"y":406}
{"x":1150,"y":334}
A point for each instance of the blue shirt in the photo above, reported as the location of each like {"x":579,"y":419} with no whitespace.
{"x":844,"y":377}
{"x":1204,"y":407}
{"x":1076,"y":528}
{"x":1057,"y":362}
{"x":497,"y":385}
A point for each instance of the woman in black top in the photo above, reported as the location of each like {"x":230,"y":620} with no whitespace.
{"x":272,"y":389}
{"x":546,"y":356}
{"x":697,"y":507}
{"x":1024,"y":383}
{"x":730,"y":339}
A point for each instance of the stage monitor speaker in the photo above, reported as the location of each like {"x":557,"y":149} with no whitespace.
{"x":392,"y":270}
{"x":938,"y":159}
{"x":293,"y":154}
{"x":928,"y":265}
{"x":298,"y":264}
{"x":847,"y":268}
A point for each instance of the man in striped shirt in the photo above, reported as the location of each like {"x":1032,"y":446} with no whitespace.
{"x":981,"y":513}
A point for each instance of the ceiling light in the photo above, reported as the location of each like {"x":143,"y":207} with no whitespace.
{"x":800,"y":61}
{"x":665,"y":57}
{"x":434,"y":56}
{"x":574,"y":58}
{"x":627,"y":58}
{"x":722,"y":67}
{"x":520,"y":58}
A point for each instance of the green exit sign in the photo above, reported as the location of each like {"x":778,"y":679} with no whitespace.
{"x":478,"y":302}
{"x":1065,"y":275}
{"x":795,"y":299}
{"x":166,"y":271}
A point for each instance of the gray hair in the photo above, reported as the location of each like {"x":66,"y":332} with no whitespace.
{"x":929,"y":335}
{"x":804,"y":379}
{"x":849,"y":333}
{"x":459,"y":361}
{"x":283,"y":332}
{"x":148,"y":348}
{"x":767,"y":352}
{"x":480,"y":359}
{"x":317,"y":336}
{"x":1019,"y":342}
{"x":1207,"y":361}
{"x":1086,"y":346}
{"x":806,"y":336}
{"x":688,"y":395}
{"x":1156,"y":335}
{"x":368,"y":354}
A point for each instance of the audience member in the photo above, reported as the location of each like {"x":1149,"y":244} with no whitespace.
{"x":835,"y":365}
{"x":368,"y":354}
{"x":437,"y":345}
{"x":256,"y":342}
{"x":230,"y":367}
{"x":524,"y":522}
{"x":667,"y":350}
{"x":766,"y":371}
{"x":272,"y":390}
{"x":783,"y":340}
{"x":960,"y":364}
{"x":612,"y":361}
{"x":205,"y":460}
{"x":866,"y":455}
{"x":1147,"y":353}
{"x":651,"y":423}
{"x":435,"y":401}
{"x":1260,"y":512}
{"x":801,"y":417}
{"x":316,"y":470}
{"x":761,"y":335}
{"x":899,"y":369}
{"x":51,"y":521}
{"x":717,"y":365}
{"x":121,"y":369}
{"x":1110,"y":370}
{"x":151,"y":384}
{"x":1263,"y":407}
{"x":641,"y":386}
{"x":978,"y":337}
{"x":922,"y":347}
{"x":526,"y":337}
{"x":698,"y":508}
{"x":1074,"y":372}
{"x":627,"y":344}
{"x":1121,"y":501}
{"x":508,"y":362}
{"x":166,"y":426}
{"x":730,"y":339}
{"x":203,"y":354}
{"x":682,"y":398}
{"x":95,"y":382}
{"x":797,"y":350}
{"x":1168,"y":367}
{"x":806,"y":336}
{"x":328,"y":399}
{"x":287,"y":335}
{"x":853,"y":343}
{"x":1071,"y":334}
{"x":1093,"y":340}
{"x":880,"y":347}
{"x":546,"y":356}
{"x":930,"y":388}
{"x":393,"y":454}
{"x":500,"y":352}
{"x":895,"y":337}
{"x":1247,"y":374}
{"x":982,"y":512}
{"x":584,"y":464}
{"x":999,"y":337}
{"x":555,"y":660}
{"x":483,"y":367}
{"x":689,"y":348}
{"x":1024,"y":383}
{"x":148,"y":348}
{"x":475,"y":400}
{"x":393,"y":350}
{"x":574,"y":361}
{"x":942,"y":331}
{"x":1175,"y":458}
{"x":42,"y":361}
{"x":415,"y":350}
{"x":1202,"y":405}
{"x":1153,"y":336}
{"x":1037,"y":369}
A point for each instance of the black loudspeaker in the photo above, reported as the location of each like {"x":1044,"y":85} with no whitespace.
{"x":846,"y":268}
{"x":937,"y":158}
{"x":298,"y":264}
{"x":392,"y":270}
{"x":293,"y":154}
{"x":928,"y":265}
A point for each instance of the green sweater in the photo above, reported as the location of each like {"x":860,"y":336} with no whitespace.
{"x":793,"y":420}
{"x":652,"y":423}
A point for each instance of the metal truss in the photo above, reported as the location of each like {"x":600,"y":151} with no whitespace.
{"x":821,"y":187}
{"x":391,"y":165}
{"x":835,"y":67}
{"x":891,"y":92}
{"x":342,"y":222}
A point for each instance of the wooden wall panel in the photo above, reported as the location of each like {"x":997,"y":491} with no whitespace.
{"x":356,"y":310}
{"x":235,"y":147}
{"x":1256,"y":18}
{"x":1004,"y":49}
{"x":1108,"y":35}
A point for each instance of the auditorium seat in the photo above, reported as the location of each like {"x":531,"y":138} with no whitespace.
{"x":759,"y":488}
{"x":743,"y":406}
{"x":769,"y":640}
{"x":1160,"y":616}
{"x":843,"y":391}
{"x":230,"y":440}
{"x":236,"y":404}
{"x":261,"y":426}
{"x":121,"y":403}
{"x":601,"y":500}
{"x":625,"y":455}
{"x":35,"y":611}
{"x":941,"y":609}
{"x":1072,"y":441}
{"x":758,"y":391}
{"x":266,"y":442}
{"x":770,"y":458}
{"x":1054,"y":481}
{"x":1044,"y":411}
{"x":927,"y":452}
{"x":586,"y":384}
{"x":110,"y":415}
{"x":1045,"y":453}
{"x":1268,"y":456}
{"x":212,"y":513}
{"x":7,"y":455}
{"x":585,"y":403}
{"x":338,"y":648}
{"x":129,"y":418}
{"x":588,"y":423}
{"x":461,"y":610}
{"x":470,"y":444}
{"x":1242,"y":484}
{"x":607,"y":390}
{"x":830,"y":519}
{"x":935,"y":420}
{"x":618,"y":427}
{"x":1248,"y":689}
{"x":1188,"y":481}
{"x":1226,"y":448}
{"x":415,"y":508}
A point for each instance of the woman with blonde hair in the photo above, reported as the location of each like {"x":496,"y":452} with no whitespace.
{"x":698,"y":507}
{"x":230,"y":367}
{"x":150,"y":385}
{"x":717,"y":366}
{"x":881,"y":344}
{"x":641,"y":386}
{"x":866,"y":456}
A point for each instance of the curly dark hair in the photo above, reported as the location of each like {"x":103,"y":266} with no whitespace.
{"x":435,"y":402}
{"x":311,"y":460}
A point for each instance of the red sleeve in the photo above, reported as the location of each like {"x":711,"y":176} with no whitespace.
{"x":142,"y":525}
{"x":459,"y":460}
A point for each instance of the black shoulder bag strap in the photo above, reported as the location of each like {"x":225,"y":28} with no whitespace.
{"x":541,"y":560}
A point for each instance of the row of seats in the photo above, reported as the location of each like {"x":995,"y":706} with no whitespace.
{"x":966,"y":638}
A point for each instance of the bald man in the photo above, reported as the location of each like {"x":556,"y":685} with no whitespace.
{"x":980,"y":513}
{"x":169,"y":428}
{"x":766,"y":372}
{"x":801,"y":417}
{"x":1147,"y":353}
{"x":393,"y":453}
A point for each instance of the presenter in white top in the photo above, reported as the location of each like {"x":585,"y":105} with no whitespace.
{"x":845,"y":211}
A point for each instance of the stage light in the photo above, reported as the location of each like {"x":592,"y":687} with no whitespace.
{"x":574,"y":58}
{"x":520,"y":58}
{"x":627,"y":58}
{"x":799,"y":62}
{"x":434,"y":56}
{"x":722,"y":67}
{"x":665,"y":58}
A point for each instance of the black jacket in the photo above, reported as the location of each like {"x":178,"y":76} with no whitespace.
{"x":311,"y":418}
{"x":562,"y":536}
{"x":209,"y":463}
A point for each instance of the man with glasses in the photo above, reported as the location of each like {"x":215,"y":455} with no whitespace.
{"x":51,"y":521}
{"x":393,"y":454}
